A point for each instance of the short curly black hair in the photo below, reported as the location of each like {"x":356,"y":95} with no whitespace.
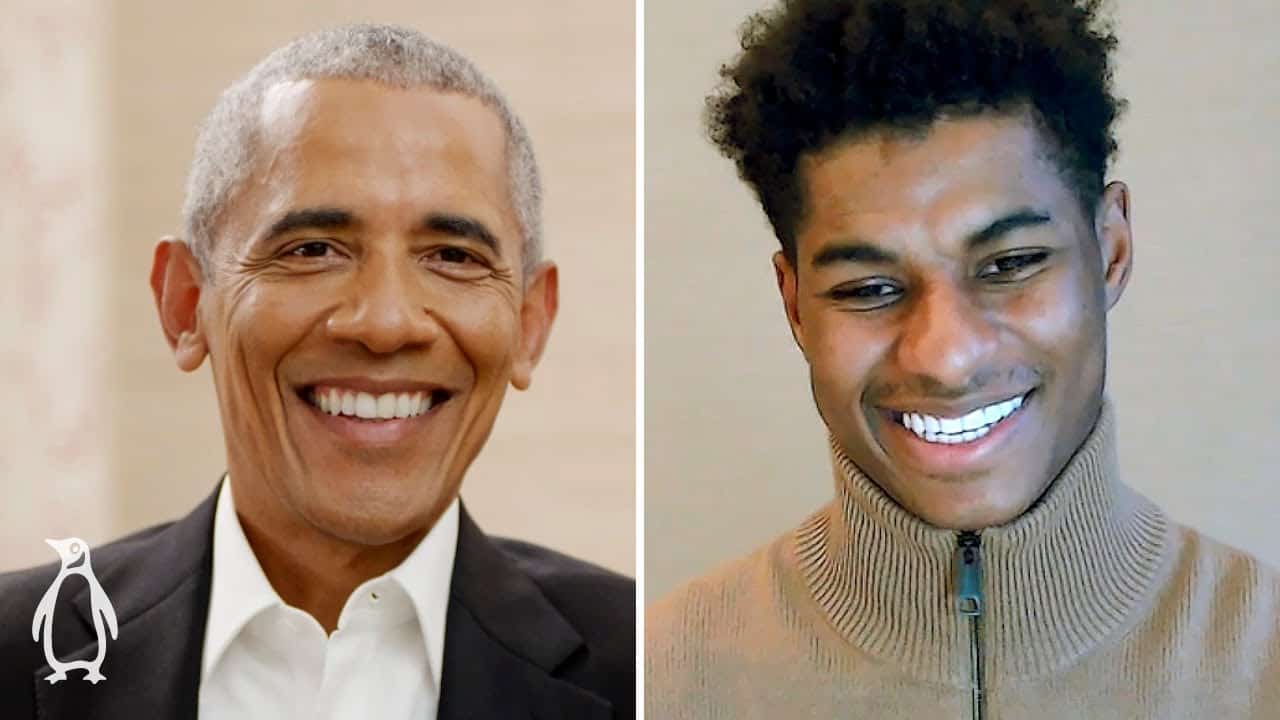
{"x":813,"y":72}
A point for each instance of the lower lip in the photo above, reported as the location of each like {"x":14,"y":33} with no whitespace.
{"x":373,"y":433}
{"x":943,"y":459}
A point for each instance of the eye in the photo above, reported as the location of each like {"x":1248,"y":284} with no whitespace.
{"x":453,"y":256}
{"x":1011,"y":268}
{"x":458,"y":263}
{"x":867,"y":295}
{"x":311,"y":249}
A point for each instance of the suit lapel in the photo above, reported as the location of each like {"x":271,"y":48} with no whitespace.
{"x":159,"y":586}
{"x":504,"y":642}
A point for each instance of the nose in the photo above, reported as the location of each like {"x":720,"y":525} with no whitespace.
{"x":385,"y":308}
{"x":946,"y":340}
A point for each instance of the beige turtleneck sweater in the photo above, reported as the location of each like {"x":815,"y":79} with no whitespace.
{"x":1096,"y":606}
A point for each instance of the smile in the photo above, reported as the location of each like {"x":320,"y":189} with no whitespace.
{"x":967,"y":428}
{"x":374,"y":407}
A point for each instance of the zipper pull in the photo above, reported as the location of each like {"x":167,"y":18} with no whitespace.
{"x":969,"y":574}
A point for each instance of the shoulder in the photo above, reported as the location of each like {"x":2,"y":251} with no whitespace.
{"x":719,"y":602}
{"x":20,"y":594}
{"x":557,"y":573}
{"x":1225,"y":604}
{"x":706,"y":626}
{"x":708,"y":605}
{"x":22,"y":589}
{"x":599,"y":603}
{"x":1230,"y":581}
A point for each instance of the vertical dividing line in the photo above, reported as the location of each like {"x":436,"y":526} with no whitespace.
{"x":639,"y":352}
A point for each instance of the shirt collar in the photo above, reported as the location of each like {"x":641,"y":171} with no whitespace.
{"x":240,"y":590}
{"x":425,"y":576}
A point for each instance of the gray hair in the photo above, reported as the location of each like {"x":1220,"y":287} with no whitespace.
{"x":386,"y":54}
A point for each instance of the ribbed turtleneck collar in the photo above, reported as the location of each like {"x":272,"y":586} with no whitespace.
{"x":1076,"y":570}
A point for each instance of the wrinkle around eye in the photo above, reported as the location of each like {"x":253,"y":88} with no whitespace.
{"x":472,"y":267}
{"x":285,"y":261}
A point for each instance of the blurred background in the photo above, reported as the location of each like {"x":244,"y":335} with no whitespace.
{"x":735,"y":453}
{"x":99,"y":103}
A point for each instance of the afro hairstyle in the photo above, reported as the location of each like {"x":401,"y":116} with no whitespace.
{"x":815,"y":72}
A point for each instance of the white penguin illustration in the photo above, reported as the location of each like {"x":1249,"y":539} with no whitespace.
{"x":69,"y":551}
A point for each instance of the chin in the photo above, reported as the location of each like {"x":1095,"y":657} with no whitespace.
{"x":968,"y":511}
{"x":368,"y":526}
{"x":374,"y":513}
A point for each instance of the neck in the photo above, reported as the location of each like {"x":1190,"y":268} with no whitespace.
{"x":311,"y":570}
{"x":1057,"y":581}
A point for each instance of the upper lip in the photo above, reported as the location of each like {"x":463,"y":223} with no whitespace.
{"x":951,"y":409}
{"x":377,"y":386}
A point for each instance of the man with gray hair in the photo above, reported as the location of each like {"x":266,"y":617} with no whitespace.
{"x":361,"y":265}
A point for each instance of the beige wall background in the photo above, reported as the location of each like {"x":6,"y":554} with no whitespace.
{"x":100,"y":102}
{"x":734,"y":451}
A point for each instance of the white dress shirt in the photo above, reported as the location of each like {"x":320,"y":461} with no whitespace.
{"x":265,"y":659}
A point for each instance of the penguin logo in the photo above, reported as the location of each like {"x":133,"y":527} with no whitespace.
{"x":70,"y":550}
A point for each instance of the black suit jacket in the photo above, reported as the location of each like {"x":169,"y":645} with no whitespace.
{"x":530,"y":633}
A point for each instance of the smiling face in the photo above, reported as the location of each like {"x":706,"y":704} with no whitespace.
{"x":950,"y":296}
{"x":365,"y":307}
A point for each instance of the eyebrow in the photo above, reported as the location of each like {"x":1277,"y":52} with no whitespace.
{"x":330,"y":218}
{"x":460,"y":226}
{"x":859,"y":251}
{"x":320,"y":218}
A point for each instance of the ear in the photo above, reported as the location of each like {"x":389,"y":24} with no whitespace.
{"x":176,"y":282}
{"x":537,"y":312}
{"x":1115,"y":240}
{"x":787,"y":288}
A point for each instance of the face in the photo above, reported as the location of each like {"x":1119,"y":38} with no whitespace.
{"x":365,"y":307}
{"x":950,"y":297}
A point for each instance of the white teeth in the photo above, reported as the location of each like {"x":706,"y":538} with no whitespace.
{"x":949,"y":431}
{"x":943,"y":439}
{"x":368,"y":406}
{"x":387,"y":406}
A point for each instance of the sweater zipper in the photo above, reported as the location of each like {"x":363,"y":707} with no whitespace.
{"x":969,"y":604}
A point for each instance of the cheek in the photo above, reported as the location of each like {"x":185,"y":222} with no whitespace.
{"x":843,"y":351}
{"x":485,"y":326}
{"x":1061,"y":320}
{"x":259,"y":326}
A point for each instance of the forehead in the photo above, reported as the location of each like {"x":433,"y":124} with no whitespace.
{"x":367,"y":146}
{"x":334,"y":106}
{"x":955,"y":172}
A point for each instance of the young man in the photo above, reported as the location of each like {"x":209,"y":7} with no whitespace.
{"x":935,"y":172}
